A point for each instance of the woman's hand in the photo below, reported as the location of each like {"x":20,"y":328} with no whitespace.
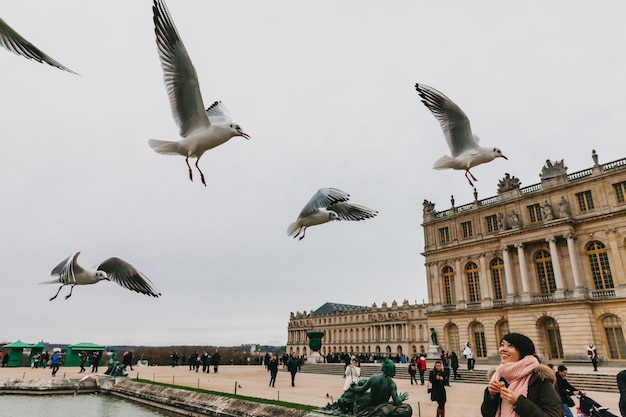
{"x":508,"y":395}
{"x":493,"y":388}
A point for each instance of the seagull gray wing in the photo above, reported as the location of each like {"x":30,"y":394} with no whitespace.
{"x":454,"y":122}
{"x":218,"y":113}
{"x":66,"y":271}
{"x":16,"y":43}
{"x":324,"y":198}
{"x":181,"y":79}
{"x":348,"y":211}
{"x":126,"y":275}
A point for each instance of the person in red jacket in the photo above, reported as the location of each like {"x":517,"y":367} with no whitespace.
{"x":421,"y":368}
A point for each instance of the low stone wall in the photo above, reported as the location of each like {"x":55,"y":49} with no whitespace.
{"x":184,"y":402}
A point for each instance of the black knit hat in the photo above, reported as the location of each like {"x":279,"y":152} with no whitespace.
{"x":522,"y":343}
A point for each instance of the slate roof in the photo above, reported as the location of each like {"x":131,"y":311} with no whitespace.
{"x":330,"y":308}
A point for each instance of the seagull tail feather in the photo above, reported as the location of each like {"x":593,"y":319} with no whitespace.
{"x":164,"y":147}
{"x":52,"y":281}
{"x":444,"y":162}
{"x":293,"y":228}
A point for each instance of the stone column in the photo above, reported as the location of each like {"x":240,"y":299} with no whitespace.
{"x":523,"y":271}
{"x":556,"y":266}
{"x":573,"y":256}
{"x":508,"y":275}
{"x":617,"y":268}
{"x":459,"y":284}
{"x":485,"y":283}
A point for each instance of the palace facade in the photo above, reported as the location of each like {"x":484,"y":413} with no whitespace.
{"x":547,"y":260}
{"x":385,"y":330}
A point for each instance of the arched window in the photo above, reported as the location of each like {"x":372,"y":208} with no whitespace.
{"x":614,"y":337}
{"x":599,"y":264}
{"x":448,"y":285}
{"x":502,"y":329}
{"x":421,"y":334}
{"x":545,"y":273}
{"x":477,"y":333}
{"x":497,"y":273}
{"x":452,"y":337}
{"x":473,"y":283}
{"x":552,"y":335}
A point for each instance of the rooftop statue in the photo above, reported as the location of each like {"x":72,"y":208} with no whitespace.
{"x":551,"y":170}
{"x":508,"y":183}
{"x":370,"y":397}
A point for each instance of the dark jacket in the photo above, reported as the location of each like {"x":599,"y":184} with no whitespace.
{"x":565,"y":389}
{"x":438,"y":390}
{"x":541,"y":401}
{"x":292,"y":364}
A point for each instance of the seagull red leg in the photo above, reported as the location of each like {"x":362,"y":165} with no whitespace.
{"x":188,"y":166}
{"x":70,"y":294}
{"x":55,"y":295}
{"x":200,"y":171}
{"x":468,"y":179}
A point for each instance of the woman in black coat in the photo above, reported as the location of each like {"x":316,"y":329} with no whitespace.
{"x":438,"y":389}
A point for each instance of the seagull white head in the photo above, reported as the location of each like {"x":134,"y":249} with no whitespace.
{"x":238,"y":131}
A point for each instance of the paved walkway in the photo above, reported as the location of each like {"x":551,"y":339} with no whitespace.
{"x":463,"y":399}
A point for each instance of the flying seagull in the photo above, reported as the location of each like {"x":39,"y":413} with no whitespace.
{"x":466,"y":152}
{"x":117,"y":270}
{"x":201,"y":130}
{"x":326,"y":205}
{"x":15,"y":42}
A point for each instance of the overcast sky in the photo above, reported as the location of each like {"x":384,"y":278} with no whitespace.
{"x":325,"y":89}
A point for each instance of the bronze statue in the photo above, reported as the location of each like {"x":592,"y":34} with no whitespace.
{"x":433,"y":336}
{"x":115,"y":367}
{"x":370,"y":397}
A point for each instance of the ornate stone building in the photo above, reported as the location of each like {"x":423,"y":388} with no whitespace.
{"x":546,"y":260}
{"x":385,"y":330}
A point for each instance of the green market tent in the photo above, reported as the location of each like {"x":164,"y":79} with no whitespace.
{"x":72,"y":356}
{"x":17,"y":349}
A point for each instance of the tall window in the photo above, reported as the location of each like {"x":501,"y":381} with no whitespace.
{"x":585,"y":201}
{"x":473,"y":283}
{"x":534,"y":213}
{"x":553,"y":336}
{"x":467,"y":229}
{"x":492,"y":223}
{"x":444,"y":235}
{"x":477,"y":333}
{"x":614,"y":337}
{"x":497,"y":272}
{"x":620,"y":191}
{"x":545,"y":273}
{"x":502,"y":329}
{"x":448,"y":285}
{"x":599,"y":264}
{"x":452,"y":337}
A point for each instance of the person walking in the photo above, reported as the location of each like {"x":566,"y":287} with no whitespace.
{"x":593,"y":356}
{"x":566,"y":390}
{"x":272,"y":367}
{"x":352,"y":373}
{"x":83,"y":360}
{"x":95,"y":360}
{"x":292,"y":367}
{"x":215,"y":360}
{"x":421,"y":368}
{"x":55,"y":363}
{"x":454,"y":364}
{"x":469,"y":355}
{"x":438,"y":388}
{"x":413,"y":371}
{"x":520,"y":385}
{"x":446,"y":367}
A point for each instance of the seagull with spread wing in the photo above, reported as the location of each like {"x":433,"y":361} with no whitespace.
{"x":117,"y":270}
{"x":16,"y":43}
{"x":326,"y":205}
{"x":201,"y":130}
{"x":466,"y":152}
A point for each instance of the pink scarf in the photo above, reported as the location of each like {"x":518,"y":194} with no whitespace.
{"x":517,"y":375}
